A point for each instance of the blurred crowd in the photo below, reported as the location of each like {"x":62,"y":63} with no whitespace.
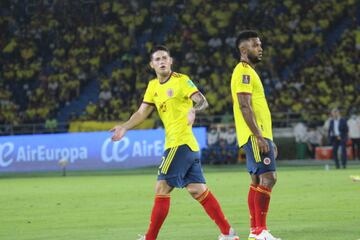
{"x":222,"y":146}
{"x":51,"y":50}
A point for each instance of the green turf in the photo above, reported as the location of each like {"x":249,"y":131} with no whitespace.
{"x":308,"y":203}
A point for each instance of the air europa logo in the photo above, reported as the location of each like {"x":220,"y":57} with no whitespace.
{"x":6,"y":150}
{"x":122,"y":150}
{"x":39,"y":153}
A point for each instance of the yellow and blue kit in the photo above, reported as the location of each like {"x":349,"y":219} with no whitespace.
{"x":181,"y":160}
{"x":246,"y":81}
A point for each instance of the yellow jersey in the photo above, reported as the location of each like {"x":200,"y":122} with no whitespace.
{"x":245,"y":80}
{"x":172,"y":100}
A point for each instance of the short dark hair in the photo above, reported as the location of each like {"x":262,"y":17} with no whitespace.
{"x":159,"y":48}
{"x":245,"y":35}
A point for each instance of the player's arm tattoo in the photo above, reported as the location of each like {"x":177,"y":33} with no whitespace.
{"x":200,"y":101}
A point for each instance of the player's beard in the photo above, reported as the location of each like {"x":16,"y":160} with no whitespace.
{"x":253,"y":58}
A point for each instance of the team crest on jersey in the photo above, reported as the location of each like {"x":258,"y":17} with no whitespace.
{"x":170,"y":92}
{"x":267,"y":161}
{"x":246,"y":79}
{"x":155,"y":95}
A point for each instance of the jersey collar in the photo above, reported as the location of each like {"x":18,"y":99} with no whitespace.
{"x":166,"y":79}
{"x":242,"y":61}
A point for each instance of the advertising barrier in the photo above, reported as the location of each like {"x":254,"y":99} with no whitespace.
{"x":85,"y":151}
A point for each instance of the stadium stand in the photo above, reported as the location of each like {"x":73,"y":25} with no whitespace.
{"x":52,"y":51}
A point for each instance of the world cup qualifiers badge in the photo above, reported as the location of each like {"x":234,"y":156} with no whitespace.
{"x":246,"y":79}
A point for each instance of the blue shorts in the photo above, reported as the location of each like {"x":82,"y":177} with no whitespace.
{"x":181,"y":166}
{"x":258,"y":163}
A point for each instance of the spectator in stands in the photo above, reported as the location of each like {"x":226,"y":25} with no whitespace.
{"x":223,"y":134}
{"x":231,"y":136}
{"x":222,"y":154}
{"x":209,"y":154}
{"x":105,"y":96}
{"x":51,"y":124}
{"x":354,"y":134}
{"x":300,"y":130}
{"x":338,"y":135}
{"x":91,"y":110}
{"x":212,"y":136}
{"x":314,"y":139}
{"x":221,"y":150}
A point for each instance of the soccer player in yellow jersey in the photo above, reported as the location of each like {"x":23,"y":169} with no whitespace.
{"x":254,"y":131}
{"x":173,"y":94}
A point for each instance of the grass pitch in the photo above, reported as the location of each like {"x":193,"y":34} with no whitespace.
{"x":308,"y":203}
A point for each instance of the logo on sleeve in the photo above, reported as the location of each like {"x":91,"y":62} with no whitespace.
{"x":191,"y":84}
{"x":246,"y":79}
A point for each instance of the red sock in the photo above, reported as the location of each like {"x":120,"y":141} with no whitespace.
{"x":158,"y":215}
{"x":213,"y":209}
{"x":251,"y":205}
{"x":262,"y":200}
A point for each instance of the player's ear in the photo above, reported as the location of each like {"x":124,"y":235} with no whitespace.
{"x":151,"y":65}
{"x":171,"y":60}
{"x":243,"y":48}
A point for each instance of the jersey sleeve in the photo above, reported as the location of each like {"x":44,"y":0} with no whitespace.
{"x":244,"y":81}
{"x":189,"y":87}
{"x":149,"y":94}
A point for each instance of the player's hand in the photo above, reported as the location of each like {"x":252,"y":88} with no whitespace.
{"x":118,"y":132}
{"x":191,"y":116}
{"x":263,"y":144}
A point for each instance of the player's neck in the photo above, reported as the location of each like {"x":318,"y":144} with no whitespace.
{"x":164,"y":78}
{"x":246,"y":60}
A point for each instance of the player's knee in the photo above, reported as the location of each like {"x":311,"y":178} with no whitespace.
{"x":268,"y":180}
{"x":274,"y":180}
{"x":162,"y":188}
{"x":196,"y":190}
{"x":269,"y":183}
{"x":193,"y":191}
